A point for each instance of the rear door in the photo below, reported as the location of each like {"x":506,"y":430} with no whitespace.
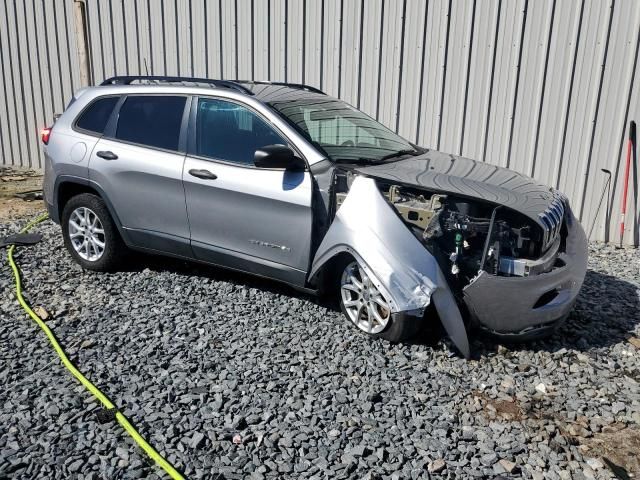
{"x":252,"y":219}
{"x":138,"y":164}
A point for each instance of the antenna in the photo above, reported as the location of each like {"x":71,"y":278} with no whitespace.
{"x":146,"y":67}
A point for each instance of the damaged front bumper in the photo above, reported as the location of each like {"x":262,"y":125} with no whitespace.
{"x":524,"y":307}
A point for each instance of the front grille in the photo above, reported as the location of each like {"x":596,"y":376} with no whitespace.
{"x":552,"y":219}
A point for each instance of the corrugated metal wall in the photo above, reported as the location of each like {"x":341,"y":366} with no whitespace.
{"x":545,"y":87}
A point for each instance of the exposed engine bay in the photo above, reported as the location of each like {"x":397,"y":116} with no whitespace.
{"x":496,"y":259}
{"x":468,"y":236}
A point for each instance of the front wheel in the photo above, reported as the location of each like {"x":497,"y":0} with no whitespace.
{"x":366,"y":307}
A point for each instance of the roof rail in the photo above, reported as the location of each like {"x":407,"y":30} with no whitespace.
{"x":299,"y":86}
{"x":128,"y":79}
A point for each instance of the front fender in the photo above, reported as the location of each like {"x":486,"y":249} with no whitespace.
{"x":368,"y":228}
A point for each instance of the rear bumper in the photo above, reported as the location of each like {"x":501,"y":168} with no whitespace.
{"x":530,"y":306}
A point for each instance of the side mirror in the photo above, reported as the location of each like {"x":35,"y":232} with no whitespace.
{"x":277,"y":156}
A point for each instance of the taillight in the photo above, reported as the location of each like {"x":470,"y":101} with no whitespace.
{"x":45,"y":134}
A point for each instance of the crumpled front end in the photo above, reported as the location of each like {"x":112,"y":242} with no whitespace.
{"x":536,"y":295}
{"x":409,"y":277}
{"x":512,"y":273}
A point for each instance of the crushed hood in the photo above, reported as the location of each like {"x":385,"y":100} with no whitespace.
{"x":445,"y":173}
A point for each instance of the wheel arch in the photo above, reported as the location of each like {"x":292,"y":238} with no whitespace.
{"x":320,"y":276}
{"x":67,"y":187}
{"x":324,"y":270}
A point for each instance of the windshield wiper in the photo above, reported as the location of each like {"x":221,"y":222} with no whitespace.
{"x":357,"y":161}
{"x":376,"y":161}
{"x":400,"y":153}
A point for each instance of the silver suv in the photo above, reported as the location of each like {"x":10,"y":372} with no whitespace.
{"x":283,"y":181}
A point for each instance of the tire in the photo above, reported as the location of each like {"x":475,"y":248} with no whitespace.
{"x":395,"y":328}
{"x":94,"y":248}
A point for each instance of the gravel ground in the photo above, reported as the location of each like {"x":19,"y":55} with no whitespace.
{"x":15,"y":181}
{"x":235,"y":377}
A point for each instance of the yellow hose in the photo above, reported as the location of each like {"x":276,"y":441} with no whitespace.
{"x":122,"y":420}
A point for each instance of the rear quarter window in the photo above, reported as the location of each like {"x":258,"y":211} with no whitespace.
{"x":95,"y":117}
{"x":152,"y":121}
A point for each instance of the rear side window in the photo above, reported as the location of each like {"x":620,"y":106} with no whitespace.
{"x":228,"y":131}
{"x":95,"y":117}
{"x":151,"y":120}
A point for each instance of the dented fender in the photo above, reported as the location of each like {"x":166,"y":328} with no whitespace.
{"x":404,"y":271}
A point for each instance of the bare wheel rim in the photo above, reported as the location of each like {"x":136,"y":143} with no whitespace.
{"x":87,"y":234}
{"x":363,"y":302}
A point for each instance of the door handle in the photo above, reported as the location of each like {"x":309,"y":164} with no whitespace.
{"x":107,"y":155}
{"x":204,"y":174}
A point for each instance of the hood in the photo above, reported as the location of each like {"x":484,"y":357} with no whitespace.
{"x":445,"y":173}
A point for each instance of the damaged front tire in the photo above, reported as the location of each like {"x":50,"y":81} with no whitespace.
{"x":365,"y":306}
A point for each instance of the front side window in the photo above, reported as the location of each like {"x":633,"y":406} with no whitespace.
{"x":94,"y":119}
{"x":151,"y":120}
{"x":231,"y":132}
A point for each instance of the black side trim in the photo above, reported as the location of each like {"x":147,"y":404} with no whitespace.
{"x":160,"y":242}
{"x":54,"y":207}
{"x":112,"y":123}
{"x":247,"y":263}
{"x":295,"y":286}
{"x":52,"y":210}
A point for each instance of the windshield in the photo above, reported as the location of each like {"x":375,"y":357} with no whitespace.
{"x":341,"y":131}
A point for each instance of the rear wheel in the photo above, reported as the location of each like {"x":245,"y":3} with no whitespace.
{"x":90,"y":234}
{"x":366,"y":307}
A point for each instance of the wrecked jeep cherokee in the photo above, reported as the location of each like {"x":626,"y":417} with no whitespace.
{"x":283,"y":181}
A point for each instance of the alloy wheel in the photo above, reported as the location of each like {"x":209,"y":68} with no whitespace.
{"x":364,"y":304}
{"x":87,"y":234}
